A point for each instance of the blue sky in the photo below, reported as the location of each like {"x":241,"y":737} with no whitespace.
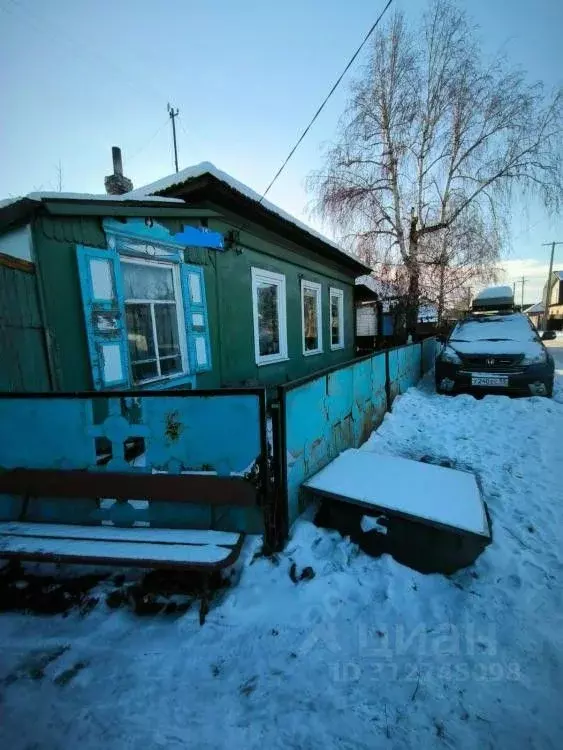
{"x":77,"y":77}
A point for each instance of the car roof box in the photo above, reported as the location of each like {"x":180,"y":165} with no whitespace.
{"x":494,"y":298}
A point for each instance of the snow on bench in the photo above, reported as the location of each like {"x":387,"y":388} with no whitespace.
{"x":411,"y":489}
{"x":143,"y":547}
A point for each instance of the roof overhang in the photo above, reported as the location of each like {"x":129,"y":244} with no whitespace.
{"x":208,"y":188}
{"x":18,"y":212}
{"x":23,"y":210}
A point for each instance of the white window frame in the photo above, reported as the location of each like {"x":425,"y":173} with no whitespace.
{"x":179,"y":302}
{"x":314,"y":287}
{"x":269,"y":277}
{"x":339,"y":294}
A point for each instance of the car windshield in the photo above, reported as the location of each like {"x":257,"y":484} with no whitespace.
{"x":512,"y":327}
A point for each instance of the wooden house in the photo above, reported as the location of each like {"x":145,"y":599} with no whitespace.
{"x":193,"y":281}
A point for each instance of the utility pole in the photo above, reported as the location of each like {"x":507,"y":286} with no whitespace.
{"x":546,"y":301}
{"x":173,"y":113}
{"x":522,"y":297}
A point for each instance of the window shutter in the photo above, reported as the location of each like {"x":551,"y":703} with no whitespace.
{"x":104,"y":314}
{"x":195,"y":308}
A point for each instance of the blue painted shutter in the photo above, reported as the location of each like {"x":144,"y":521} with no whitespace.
{"x":197,"y":326}
{"x":104,"y":315}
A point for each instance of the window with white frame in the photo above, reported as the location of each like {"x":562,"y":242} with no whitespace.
{"x":336,"y":319}
{"x":269,"y":312}
{"x":153,"y":310}
{"x":311,"y":316}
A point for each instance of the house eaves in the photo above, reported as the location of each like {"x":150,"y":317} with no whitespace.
{"x":21,"y":210}
{"x":205,"y":183}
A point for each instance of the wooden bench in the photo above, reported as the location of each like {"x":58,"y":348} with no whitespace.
{"x":140,"y":546}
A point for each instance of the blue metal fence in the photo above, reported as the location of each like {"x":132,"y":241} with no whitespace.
{"x":327,"y":413}
{"x":220,"y":433}
{"x":405,"y":367}
{"x":429,"y":351}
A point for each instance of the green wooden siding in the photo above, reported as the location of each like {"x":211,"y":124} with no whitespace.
{"x":23,"y":356}
{"x":229,"y":302}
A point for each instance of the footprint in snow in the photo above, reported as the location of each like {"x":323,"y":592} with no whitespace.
{"x":514,"y":581}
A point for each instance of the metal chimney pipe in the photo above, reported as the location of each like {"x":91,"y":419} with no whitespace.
{"x":117,"y":162}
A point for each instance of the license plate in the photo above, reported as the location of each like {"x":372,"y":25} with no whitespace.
{"x":495,"y":381}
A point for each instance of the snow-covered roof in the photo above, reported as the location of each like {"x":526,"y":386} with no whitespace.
{"x":381,"y":288}
{"x":537,"y":308}
{"x":5,"y":202}
{"x":206,"y":167}
{"x":102,"y":197}
{"x":99,"y":197}
{"x":427,"y":314}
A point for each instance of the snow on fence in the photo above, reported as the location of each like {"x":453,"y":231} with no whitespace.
{"x":328,"y":412}
{"x":213,"y":434}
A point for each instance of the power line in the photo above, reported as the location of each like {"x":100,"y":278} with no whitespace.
{"x":147,"y":142}
{"x":325,"y":100}
{"x":181,"y":124}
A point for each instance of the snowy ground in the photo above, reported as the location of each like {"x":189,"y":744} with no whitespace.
{"x":367,"y":654}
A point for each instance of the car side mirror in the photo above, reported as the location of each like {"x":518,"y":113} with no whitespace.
{"x":440,"y":338}
{"x":548,"y":335}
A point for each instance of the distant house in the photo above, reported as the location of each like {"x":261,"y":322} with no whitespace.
{"x":190,"y":282}
{"x":379,"y":314}
{"x":427,"y":313}
{"x":554,"y":298}
{"x":535,"y":313}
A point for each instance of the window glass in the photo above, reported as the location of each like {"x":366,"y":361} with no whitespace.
{"x":334,"y":321}
{"x":152,"y":324}
{"x":269,"y":313}
{"x":144,"y":370}
{"x":146,"y":282}
{"x":170,"y":365}
{"x":166,"y":330}
{"x":139,"y":331}
{"x":268,"y":322}
{"x":311,"y":317}
{"x":336,"y":318}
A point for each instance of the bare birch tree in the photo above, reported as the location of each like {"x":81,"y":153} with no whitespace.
{"x":432,"y":134}
{"x":458,"y":258}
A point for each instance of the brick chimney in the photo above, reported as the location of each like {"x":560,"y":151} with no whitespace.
{"x":116,"y":183}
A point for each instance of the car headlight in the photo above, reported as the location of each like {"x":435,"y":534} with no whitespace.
{"x":450,"y":355}
{"x":536,"y":358}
